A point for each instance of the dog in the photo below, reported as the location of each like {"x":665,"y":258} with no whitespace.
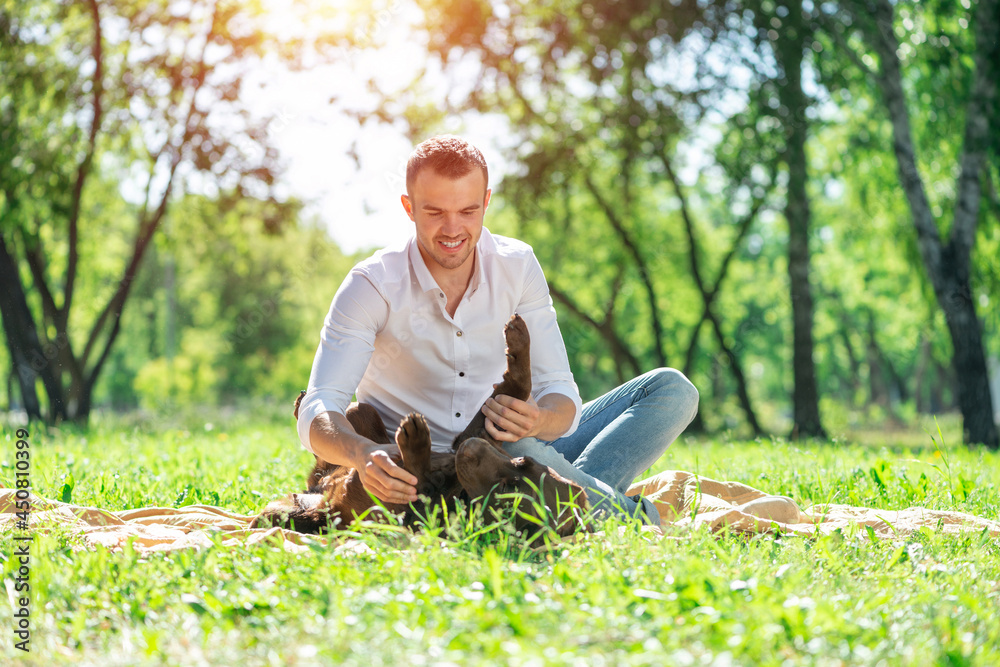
{"x":476,"y":470}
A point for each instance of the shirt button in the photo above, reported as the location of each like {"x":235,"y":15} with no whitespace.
{"x":459,"y":334}
{"x":441,"y":294}
{"x":458,"y":414}
{"x":461,"y":374}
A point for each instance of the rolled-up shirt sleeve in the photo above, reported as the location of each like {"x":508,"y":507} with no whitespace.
{"x":550,"y":371}
{"x":357,"y":313}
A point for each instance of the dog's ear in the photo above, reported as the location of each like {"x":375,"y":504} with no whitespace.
{"x":298,"y":402}
{"x":301,"y":512}
{"x":567,"y":502}
{"x":276,"y":512}
{"x":572,"y":506}
{"x":525,"y":463}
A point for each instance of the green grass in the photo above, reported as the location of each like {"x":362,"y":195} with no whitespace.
{"x":621,"y":599}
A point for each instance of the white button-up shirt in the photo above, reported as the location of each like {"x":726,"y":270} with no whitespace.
{"x":389,"y":340}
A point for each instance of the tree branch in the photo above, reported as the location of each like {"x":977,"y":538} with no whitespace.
{"x":693,"y":249}
{"x":707,"y":298}
{"x":83,"y":171}
{"x":644,"y":273}
{"x":991,"y":193}
{"x":883,"y":38}
{"x":147,"y":227}
{"x":36,"y":263}
{"x":737,"y":370}
{"x":618,"y":348}
{"x":977,"y":129}
{"x":838,"y":38}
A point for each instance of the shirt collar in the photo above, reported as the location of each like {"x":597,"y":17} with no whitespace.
{"x":424,"y":277}
{"x":485,"y":247}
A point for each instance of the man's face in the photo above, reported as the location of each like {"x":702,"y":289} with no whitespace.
{"x":448,"y":214}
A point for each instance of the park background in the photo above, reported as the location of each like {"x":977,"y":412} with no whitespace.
{"x":793,"y":202}
{"x":796,"y":204}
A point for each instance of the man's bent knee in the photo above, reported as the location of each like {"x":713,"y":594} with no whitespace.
{"x":675,"y":384}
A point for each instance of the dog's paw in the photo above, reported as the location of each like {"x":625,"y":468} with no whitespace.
{"x":516,"y":334}
{"x":413,"y":433}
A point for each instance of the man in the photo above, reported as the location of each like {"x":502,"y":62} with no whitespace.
{"x":419,"y":327}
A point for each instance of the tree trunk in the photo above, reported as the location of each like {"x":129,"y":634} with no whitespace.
{"x":708,"y":296}
{"x":789,"y":52}
{"x":878,"y":392}
{"x":21,"y":370}
{"x":741,"y":384}
{"x":935,"y":403}
{"x":29,"y":359}
{"x":644,"y":272}
{"x":969,"y":361}
{"x":618,"y":348}
{"x":854,"y":374}
{"x":949,"y":264}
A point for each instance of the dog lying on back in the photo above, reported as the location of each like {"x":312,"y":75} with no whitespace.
{"x":477,"y":470}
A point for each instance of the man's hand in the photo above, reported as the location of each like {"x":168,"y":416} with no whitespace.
{"x":334,"y":439}
{"x":517,"y":419}
{"x":384,"y":479}
{"x":509,"y":419}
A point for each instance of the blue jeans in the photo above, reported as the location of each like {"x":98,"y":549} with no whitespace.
{"x":620,"y":435}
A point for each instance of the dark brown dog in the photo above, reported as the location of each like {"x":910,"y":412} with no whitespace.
{"x":478,"y":470}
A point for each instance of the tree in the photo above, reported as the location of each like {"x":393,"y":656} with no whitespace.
{"x":26,"y":353}
{"x":947,"y":258}
{"x":242,"y":328}
{"x":98,"y":98}
{"x":789,"y":47}
{"x":601,"y":121}
{"x":673,"y":168}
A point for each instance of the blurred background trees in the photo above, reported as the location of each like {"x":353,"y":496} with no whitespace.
{"x":794,"y":203}
{"x":111,"y":110}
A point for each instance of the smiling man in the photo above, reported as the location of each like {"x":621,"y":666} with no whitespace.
{"x":419,"y":327}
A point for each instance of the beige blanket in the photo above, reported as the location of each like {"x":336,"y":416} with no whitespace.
{"x":683,"y":499}
{"x":153,"y":528}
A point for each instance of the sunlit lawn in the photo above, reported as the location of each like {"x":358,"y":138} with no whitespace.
{"x":624,"y":598}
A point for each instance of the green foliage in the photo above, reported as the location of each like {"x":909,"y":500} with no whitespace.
{"x":108,"y":111}
{"x":188,"y":378}
{"x":624,"y":597}
{"x":595,"y":95}
{"x":230,"y":305}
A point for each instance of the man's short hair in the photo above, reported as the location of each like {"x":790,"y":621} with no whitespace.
{"x":448,"y":155}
